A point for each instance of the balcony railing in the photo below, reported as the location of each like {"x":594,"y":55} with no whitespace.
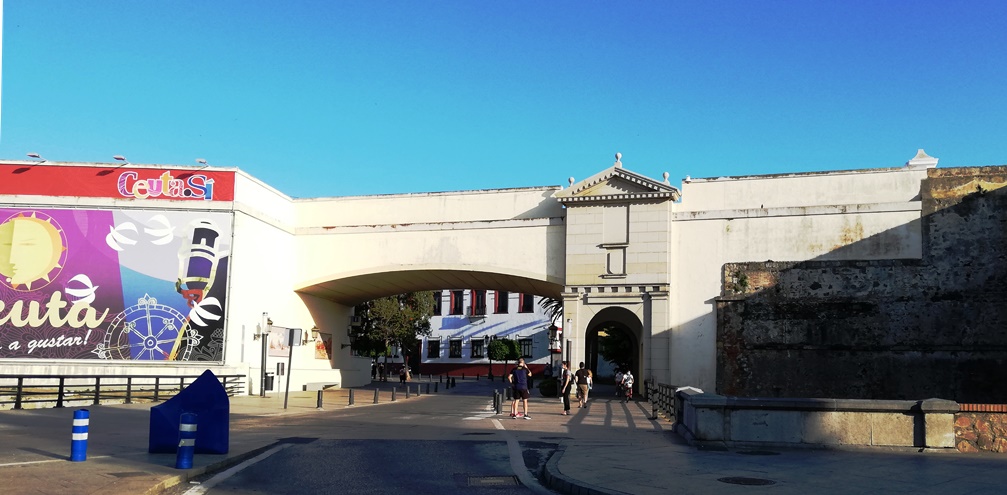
{"x":477,"y":312}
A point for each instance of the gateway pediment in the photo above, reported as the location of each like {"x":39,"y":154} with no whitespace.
{"x":617,"y":184}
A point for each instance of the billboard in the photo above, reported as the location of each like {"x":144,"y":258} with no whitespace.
{"x":116,"y":182}
{"x":113,"y":285}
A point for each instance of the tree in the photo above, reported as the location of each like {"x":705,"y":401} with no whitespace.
{"x":503,"y":350}
{"x":615,"y":346}
{"x":552,"y":307}
{"x":394,"y":320}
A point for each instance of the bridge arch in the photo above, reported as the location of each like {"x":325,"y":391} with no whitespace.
{"x":355,"y":287}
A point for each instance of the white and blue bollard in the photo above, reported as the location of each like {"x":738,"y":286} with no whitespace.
{"x":186,"y":441}
{"x":78,"y":442}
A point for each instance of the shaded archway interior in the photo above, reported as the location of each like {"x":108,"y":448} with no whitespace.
{"x":354,"y":290}
{"x":614,"y":319}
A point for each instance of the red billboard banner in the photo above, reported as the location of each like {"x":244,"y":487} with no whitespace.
{"x":120,"y":182}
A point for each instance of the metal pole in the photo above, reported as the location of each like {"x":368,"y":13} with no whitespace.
{"x":264,"y":337}
{"x":290,"y":362}
{"x":375,"y":396}
{"x":351,"y":397}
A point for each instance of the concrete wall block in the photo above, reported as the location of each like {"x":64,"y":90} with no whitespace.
{"x":889,"y":429}
{"x":709,"y":424}
{"x":837,"y":428}
{"x":766,"y":426}
{"x":940,"y":430}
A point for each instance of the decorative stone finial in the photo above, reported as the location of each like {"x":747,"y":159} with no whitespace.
{"x":666,"y":175}
{"x":618,"y":160}
{"x":570,"y":180}
{"x":687,"y":179}
{"x":922,"y":160}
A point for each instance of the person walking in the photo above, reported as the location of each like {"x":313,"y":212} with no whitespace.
{"x":583,"y":376}
{"x":566,"y":383}
{"x":519,"y":378}
{"x":627,"y":385}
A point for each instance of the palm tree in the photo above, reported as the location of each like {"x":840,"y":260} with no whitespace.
{"x":553,"y":307}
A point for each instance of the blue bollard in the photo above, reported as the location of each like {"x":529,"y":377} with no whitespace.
{"x":78,"y":443}
{"x":186,"y":441}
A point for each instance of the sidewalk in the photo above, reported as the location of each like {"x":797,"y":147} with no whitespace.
{"x":616,"y":448}
{"x":609,"y":447}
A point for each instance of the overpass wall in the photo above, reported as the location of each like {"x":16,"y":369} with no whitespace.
{"x":865,"y":215}
{"x":427,"y":208}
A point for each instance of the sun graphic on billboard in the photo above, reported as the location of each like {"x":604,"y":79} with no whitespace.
{"x":32,"y":248}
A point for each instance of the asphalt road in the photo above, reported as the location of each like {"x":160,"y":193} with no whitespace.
{"x":440,"y":445}
{"x":379,"y":467}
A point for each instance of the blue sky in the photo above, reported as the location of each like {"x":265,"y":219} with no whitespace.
{"x":336,"y":98}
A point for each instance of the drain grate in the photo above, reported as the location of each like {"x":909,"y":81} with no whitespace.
{"x":298,"y":440}
{"x":493,"y":481}
{"x":741,"y":480}
{"x":758,"y":452}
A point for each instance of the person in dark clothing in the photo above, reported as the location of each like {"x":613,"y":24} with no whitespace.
{"x":565,"y":384}
{"x":584,"y":377}
{"x":519,"y":378}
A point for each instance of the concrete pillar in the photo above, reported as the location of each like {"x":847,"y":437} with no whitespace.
{"x":574,"y":332}
{"x":939,"y":422}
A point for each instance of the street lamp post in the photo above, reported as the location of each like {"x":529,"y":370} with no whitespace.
{"x":263,"y":335}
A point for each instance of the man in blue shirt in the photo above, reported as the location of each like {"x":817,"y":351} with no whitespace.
{"x":519,"y":378}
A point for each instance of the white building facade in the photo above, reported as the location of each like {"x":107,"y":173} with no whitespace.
{"x":226,"y":265}
{"x":465,"y":321}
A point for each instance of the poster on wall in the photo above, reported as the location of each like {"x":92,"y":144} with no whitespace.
{"x":278,"y":345}
{"x":323,"y":346}
{"x":137,"y":285}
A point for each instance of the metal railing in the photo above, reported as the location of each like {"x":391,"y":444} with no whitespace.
{"x":19,"y":390}
{"x":662,"y":400}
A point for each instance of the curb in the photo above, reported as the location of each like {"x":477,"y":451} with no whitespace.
{"x":564,"y":484}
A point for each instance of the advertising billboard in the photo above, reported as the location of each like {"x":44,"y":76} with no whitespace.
{"x":113,"y":284}
{"x":117,"y":182}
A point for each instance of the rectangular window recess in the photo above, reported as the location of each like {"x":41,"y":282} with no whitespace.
{"x":614,"y":245}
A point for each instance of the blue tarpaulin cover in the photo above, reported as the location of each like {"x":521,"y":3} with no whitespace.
{"x":205,"y":397}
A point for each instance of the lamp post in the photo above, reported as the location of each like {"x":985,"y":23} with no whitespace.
{"x":263,"y":335}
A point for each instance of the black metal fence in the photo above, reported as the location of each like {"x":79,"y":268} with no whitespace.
{"x":662,"y":400}
{"x":63,"y":390}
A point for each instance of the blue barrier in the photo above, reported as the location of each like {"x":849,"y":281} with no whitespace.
{"x":206,"y":398}
{"x":186,"y":441}
{"x":78,"y":443}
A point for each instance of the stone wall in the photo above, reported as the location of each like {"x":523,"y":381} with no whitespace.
{"x":981,"y":431}
{"x":880,"y":329}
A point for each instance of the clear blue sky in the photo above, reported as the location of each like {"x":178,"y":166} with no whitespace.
{"x":334,"y":98}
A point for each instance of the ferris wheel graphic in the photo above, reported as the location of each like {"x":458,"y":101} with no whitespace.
{"x":148,"y":331}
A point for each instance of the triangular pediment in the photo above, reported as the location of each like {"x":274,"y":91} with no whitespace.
{"x":616,"y":184}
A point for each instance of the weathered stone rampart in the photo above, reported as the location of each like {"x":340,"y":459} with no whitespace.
{"x":880,"y":329}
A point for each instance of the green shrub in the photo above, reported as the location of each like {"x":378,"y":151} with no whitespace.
{"x":549,"y":387}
